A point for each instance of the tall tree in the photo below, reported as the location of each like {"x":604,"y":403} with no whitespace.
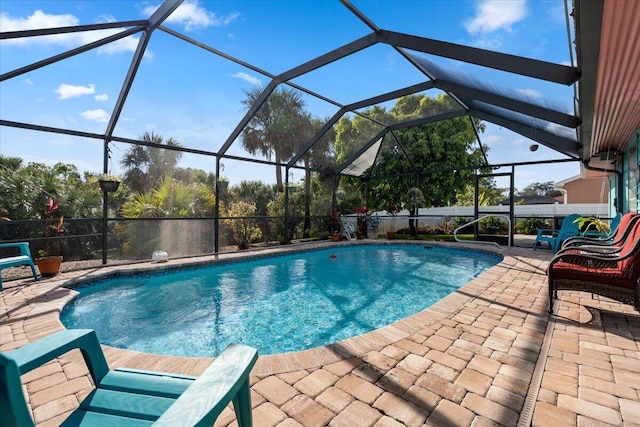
{"x":260,"y":194}
{"x":439,"y":147}
{"x":272,"y":130}
{"x":488,"y":193}
{"x":146,"y":166}
{"x":547,"y":188}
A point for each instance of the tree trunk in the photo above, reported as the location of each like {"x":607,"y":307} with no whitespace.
{"x":412,"y":223}
{"x":279,"y":185}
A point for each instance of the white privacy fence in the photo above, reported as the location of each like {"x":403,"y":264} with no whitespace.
{"x":434,"y":216}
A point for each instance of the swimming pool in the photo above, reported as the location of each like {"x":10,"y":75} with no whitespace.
{"x":277,"y":304}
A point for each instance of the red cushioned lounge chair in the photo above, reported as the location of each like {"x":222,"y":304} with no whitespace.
{"x":613,"y":275}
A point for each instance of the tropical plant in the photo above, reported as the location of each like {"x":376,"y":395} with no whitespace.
{"x":49,"y":208}
{"x":531,"y":225}
{"x":109,"y":177}
{"x":361,"y":213}
{"x":592,"y":223}
{"x":260,"y":194}
{"x":492,"y":225}
{"x":334,"y":215}
{"x":242,"y":223}
{"x":145,"y":165}
{"x":170,"y":199}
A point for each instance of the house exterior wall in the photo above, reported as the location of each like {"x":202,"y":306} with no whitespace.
{"x":588,"y":190}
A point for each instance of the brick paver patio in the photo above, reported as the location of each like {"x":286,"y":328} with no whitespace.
{"x":487,"y":355}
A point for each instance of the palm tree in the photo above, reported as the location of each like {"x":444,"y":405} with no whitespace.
{"x":272,"y":130}
{"x":146,"y":166}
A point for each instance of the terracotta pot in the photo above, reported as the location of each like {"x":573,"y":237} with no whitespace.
{"x":49,"y":266}
{"x":359,"y":235}
{"x":335,"y":237}
{"x":391,"y":235}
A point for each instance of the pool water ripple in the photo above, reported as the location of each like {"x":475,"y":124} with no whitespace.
{"x":277,"y":304}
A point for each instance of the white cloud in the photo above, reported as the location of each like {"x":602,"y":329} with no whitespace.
{"x":489,"y":43}
{"x":493,"y":140}
{"x":127,"y":44}
{"x":246,"y":77}
{"x":40,"y":19}
{"x":519,"y":142}
{"x":493,"y":15}
{"x":98,"y":115}
{"x":530,"y":92}
{"x":66,"y":91}
{"x":193,"y":16}
{"x":28,"y":82}
{"x":101,"y":97}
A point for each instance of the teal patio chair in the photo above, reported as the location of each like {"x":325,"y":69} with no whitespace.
{"x":618,"y":228}
{"x":128,"y":397}
{"x":555,"y":237}
{"x":23,"y":258}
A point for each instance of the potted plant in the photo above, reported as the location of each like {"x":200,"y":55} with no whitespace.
{"x":109,"y":183}
{"x":361,"y":212}
{"x":591,"y":223}
{"x":335,"y":233}
{"x":392,"y":210}
{"x":47,"y":264}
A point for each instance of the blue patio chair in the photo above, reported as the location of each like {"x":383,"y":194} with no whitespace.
{"x":23,"y":258}
{"x":617,"y":227}
{"x":555,"y":237}
{"x":128,"y":397}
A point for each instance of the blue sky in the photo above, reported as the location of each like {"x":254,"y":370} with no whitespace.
{"x":187,"y":93}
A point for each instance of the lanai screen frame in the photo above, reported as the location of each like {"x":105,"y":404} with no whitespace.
{"x":512,"y":112}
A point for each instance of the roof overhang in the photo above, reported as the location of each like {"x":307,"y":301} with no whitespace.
{"x":607,"y":32}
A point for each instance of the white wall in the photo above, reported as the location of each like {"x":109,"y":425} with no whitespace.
{"x":434,"y":216}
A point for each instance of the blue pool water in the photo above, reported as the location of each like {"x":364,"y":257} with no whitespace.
{"x":276,"y":304}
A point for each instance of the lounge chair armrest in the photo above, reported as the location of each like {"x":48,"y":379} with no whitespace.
{"x":35,"y":354}
{"x":604,"y":250}
{"x":212,"y":391}
{"x":590,"y":259}
{"x":579,"y":240}
{"x":22,"y":246}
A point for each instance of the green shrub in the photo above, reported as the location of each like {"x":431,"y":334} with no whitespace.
{"x":492,"y":225}
{"x":531,"y":225}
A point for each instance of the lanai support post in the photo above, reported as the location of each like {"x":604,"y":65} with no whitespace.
{"x":286,"y":205}
{"x":216,"y":220}
{"x":105,"y":202}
